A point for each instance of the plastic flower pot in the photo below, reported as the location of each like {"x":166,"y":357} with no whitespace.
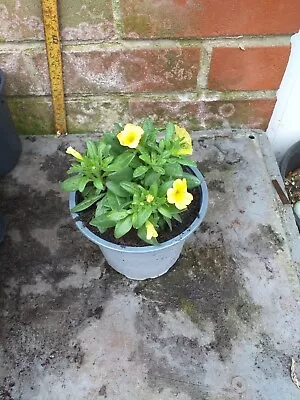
{"x":10,"y":145}
{"x":290,"y":162}
{"x":150,"y":261}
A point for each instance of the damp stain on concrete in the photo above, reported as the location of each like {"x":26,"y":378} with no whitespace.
{"x":206,"y":286}
{"x":56,"y":166}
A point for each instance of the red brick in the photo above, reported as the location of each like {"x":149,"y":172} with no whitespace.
{"x":252,"y":69}
{"x":131,"y":70}
{"x":21,"y":20}
{"x":198,"y":18}
{"x":26,"y":72}
{"x":206,"y":115}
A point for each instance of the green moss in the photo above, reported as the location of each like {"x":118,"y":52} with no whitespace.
{"x":189,"y":309}
{"x":32,"y":116}
{"x":72,"y":13}
{"x":140,"y":24}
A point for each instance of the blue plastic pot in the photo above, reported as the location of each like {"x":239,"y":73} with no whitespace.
{"x":150,"y":261}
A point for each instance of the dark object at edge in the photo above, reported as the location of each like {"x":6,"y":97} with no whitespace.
{"x":10,"y":144}
{"x":290,"y":162}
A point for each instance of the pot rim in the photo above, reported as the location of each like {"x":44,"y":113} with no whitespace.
{"x":146,"y":249}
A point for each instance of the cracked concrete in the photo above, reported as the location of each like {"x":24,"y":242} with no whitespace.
{"x":223,"y":324}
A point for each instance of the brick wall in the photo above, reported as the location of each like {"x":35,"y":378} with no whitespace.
{"x":204,"y":63}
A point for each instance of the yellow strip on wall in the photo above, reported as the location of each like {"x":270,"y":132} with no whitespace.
{"x":52,"y":36}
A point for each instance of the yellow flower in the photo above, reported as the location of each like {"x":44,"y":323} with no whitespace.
{"x":149,"y":198}
{"x":130,"y":136}
{"x":151,"y":231}
{"x":74,"y":153}
{"x":186,"y":141}
{"x":179,"y":195}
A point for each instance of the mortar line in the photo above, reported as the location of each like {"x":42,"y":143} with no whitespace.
{"x":204,"y":67}
{"x":203,"y":95}
{"x":116,"y":10}
{"x":131,"y":44}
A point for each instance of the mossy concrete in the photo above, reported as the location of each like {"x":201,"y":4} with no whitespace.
{"x":221,"y":324}
{"x":32,"y":115}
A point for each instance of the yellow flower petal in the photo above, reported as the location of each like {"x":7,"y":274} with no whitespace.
{"x":130,"y":136}
{"x":186,"y":141}
{"x":74,"y":153}
{"x":151,"y":231}
{"x":149,"y":198}
{"x":179,"y":195}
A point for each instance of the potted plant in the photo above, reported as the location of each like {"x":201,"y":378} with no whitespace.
{"x":136,"y":193}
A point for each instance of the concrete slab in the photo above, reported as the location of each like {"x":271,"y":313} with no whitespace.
{"x":222,"y":325}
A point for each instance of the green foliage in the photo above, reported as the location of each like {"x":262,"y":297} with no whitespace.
{"x":129,"y":185}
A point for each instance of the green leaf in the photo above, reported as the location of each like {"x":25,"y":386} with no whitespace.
{"x":89,"y":191}
{"x":86,"y":203}
{"x":168,"y":221}
{"x":100,"y":148}
{"x":122,"y":161}
{"x":140,"y":171}
{"x":177,"y":217}
{"x":122,"y":227}
{"x":148,"y":125}
{"x":102,"y":223}
{"x":151,"y":177}
{"x":173,"y":169}
{"x":83,"y":182}
{"x":161,"y":145}
{"x":191,"y":180}
{"x":114,"y":202}
{"x":158,"y":169}
{"x":142,"y":216}
{"x":154,"y":189}
{"x":162,"y":190}
{"x":187,"y":162}
{"x":98,"y":183}
{"x":101,"y":207}
{"x":116,"y":189}
{"x":71,"y":184}
{"x":91,"y":149}
{"x":170,"y":131}
{"x":124,"y":174}
{"x":130,"y":187}
{"x":146,"y":158}
{"x":165,"y":212}
{"x":117,"y":215}
{"x":75,"y":168}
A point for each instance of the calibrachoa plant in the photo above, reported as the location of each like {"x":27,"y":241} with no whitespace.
{"x":136,"y":178}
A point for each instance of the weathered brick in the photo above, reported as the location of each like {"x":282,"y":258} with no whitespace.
{"x":32,"y":115}
{"x":198,"y":18}
{"x":90,"y":114}
{"x":142,"y":70}
{"x":26,"y":72}
{"x":256,"y":68}
{"x":20,"y":20}
{"x":87,"y":20}
{"x":208,"y":114}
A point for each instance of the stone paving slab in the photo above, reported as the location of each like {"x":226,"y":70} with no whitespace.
{"x":223,"y":324}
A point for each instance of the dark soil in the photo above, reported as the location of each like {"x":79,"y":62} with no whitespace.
{"x":131,"y":238}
